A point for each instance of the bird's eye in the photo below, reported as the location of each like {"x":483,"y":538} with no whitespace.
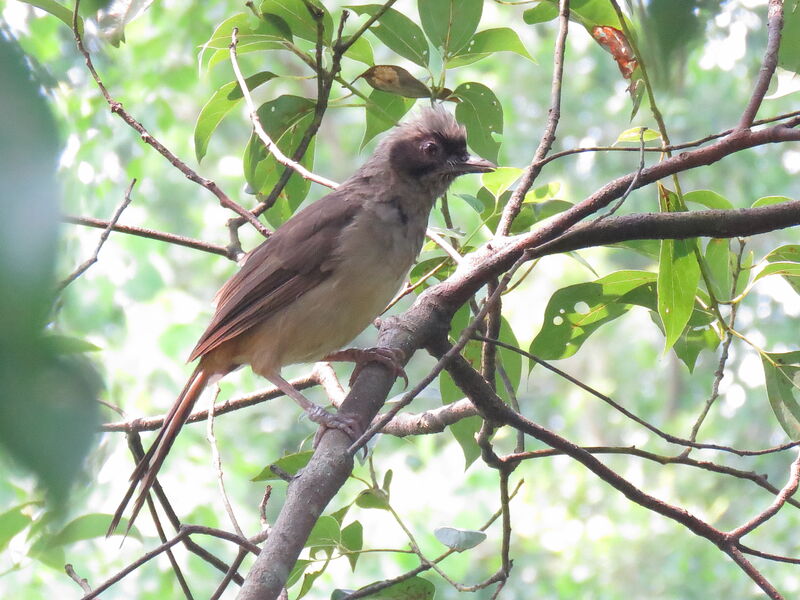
{"x":430,"y":148}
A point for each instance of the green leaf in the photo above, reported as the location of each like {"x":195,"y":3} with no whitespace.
{"x":709,"y":199}
{"x":449,"y":24}
{"x":499,"y":180}
{"x":592,"y":13}
{"x":325,"y":535}
{"x":57,"y":10}
{"x":361,"y":51}
{"x":789,"y":52}
{"x":678,"y":275}
{"x":384,"y":111}
{"x":297,"y":570}
{"x":12,"y":522}
{"x":398,"y":32}
{"x":353,"y":542}
{"x":541,"y":13}
{"x":718,"y":259}
{"x":788,"y":270}
{"x":783,"y":389}
{"x":64,"y":344}
{"x":634,"y":134}
{"x":575,"y":312}
{"x":414,"y":588}
{"x":299,"y":19}
{"x":481,"y":113}
{"x":291,"y":464}
{"x":693,"y":341}
{"x":253,"y":34}
{"x":285,"y":120}
{"x":459,"y":539}
{"x":486,"y":43}
{"x":769,"y":200}
{"x":85,"y":527}
{"x":221,"y":103}
{"x":373,"y":498}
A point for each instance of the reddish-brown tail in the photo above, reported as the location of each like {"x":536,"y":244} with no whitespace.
{"x":144,"y":475}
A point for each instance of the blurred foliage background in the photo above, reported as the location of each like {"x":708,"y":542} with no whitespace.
{"x":145,"y":302}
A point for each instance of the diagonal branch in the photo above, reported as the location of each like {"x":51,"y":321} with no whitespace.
{"x":768,"y":64}
{"x":147,"y":138}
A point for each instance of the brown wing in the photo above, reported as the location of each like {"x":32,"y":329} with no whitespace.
{"x":297,"y":257}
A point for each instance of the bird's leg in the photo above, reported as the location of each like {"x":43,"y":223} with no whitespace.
{"x":391,"y":358}
{"x":349,"y":424}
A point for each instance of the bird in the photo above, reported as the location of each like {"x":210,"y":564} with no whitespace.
{"x":321,"y":278}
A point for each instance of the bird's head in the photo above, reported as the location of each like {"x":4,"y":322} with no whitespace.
{"x":432,"y":150}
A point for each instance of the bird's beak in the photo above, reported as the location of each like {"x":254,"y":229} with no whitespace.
{"x":474,"y":164}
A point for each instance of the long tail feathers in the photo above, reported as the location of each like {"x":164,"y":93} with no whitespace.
{"x":144,"y":475}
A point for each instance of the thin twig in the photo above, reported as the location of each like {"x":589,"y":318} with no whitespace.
{"x":514,"y":204}
{"x":116,"y":108}
{"x":618,"y":407}
{"x":271,"y":146}
{"x":152,"y":234}
{"x":84,"y":266}
{"x":787,"y":492}
{"x":217,"y":460}
{"x":81,"y":581}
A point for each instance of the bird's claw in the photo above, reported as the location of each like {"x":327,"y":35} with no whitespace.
{"x":348,"y":423}
{"x":391,"y":358}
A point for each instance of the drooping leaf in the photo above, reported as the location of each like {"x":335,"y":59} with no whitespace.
{"x":398,"y":32}
{"x":353,"y":542}
{"x":718,"y":259}
{"x":395,"y":80}
{"x":783,"y":389}
{"x":678,"y":275}
{"x":219,"y":105}
{"x":481,"y":113}
{"x":373,"y":498}
{"x":449,"y":24}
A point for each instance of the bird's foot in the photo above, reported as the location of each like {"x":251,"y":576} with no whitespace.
{"x":347,"y":423}
{"x":391,"y":358}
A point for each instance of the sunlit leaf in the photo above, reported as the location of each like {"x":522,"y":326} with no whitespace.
{"x":789,"y":52}
{"x":360,"y":50}
{"x":325,"y":534}
{"x":499,"y":180}
{"x":634,"y":134}
{"x":769,"y":200}
{"x":12,"y":522}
